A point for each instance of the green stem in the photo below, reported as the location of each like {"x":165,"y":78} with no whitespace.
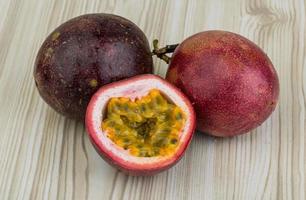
{"x":161,"y":52}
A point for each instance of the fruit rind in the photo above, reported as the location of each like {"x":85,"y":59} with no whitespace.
{"x":132,"y":88}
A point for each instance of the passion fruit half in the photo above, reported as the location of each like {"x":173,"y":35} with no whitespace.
{"x":141,"y":125}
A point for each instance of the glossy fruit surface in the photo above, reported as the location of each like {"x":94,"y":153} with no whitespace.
{"x":141,"y":125}
{"x":229,"y":79}
{"x":83,"y":54}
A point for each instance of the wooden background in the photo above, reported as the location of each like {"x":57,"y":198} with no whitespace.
{"x":45,"y":156}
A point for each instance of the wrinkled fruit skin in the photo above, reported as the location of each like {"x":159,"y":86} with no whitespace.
{"x":230,"y":80}
{"x":85,"y":53}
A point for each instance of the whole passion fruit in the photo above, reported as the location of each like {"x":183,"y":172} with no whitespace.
{"x":229,"y":79}
{"x":85,"y":53}
{"x":141,"y":125}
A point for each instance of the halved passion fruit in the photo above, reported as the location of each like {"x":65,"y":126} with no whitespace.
{"x":141,"y":125}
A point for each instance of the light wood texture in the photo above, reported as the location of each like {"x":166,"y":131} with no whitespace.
{"x":45,"y":156}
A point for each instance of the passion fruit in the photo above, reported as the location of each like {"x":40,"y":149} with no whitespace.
{"x":229,"y":79}
{"x":85,"y":53}
{"x":141,"y":125}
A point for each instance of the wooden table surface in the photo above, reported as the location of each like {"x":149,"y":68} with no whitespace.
{"x":46,"y":156}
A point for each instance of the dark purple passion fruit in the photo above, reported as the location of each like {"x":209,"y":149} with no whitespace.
{"x":86,"y":53}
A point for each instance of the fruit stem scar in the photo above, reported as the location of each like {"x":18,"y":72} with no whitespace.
{"x":161,"y":52}
{"x":93,"y":83}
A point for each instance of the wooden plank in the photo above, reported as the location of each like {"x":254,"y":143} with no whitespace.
{"x":45,"y":156}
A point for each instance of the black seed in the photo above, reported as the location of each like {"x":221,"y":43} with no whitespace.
{"x":143,"y":108}
{"x":124,"y":119}
{"x":136,"y":110}
{"x":165,"y":131}
{"x":111,"y":123}
{"x":134,"y":124}
{"x":125,"y":107}
{"x":178,"y":116}
{"x":160,"y":143}
{"x":158,"y":100}
{"x":142,"y":154}
{"x":126,"y":140}
{"x":155,"y":151}
{"x":151,"y":105}
{"x":117,"y":128}
{"x":117,"y":106}
{"x":165,"y":117}
{"x":173,"y":141}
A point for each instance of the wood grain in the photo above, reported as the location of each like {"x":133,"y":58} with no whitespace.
{"x":45,"y":156}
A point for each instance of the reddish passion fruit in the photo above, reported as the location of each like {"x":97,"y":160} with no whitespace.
{"x":229,"y":79}
{"x":141,"y":125}
{"x":85,"y":53}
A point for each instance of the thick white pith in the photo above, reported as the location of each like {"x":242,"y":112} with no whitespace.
{"x":133,"y":90}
